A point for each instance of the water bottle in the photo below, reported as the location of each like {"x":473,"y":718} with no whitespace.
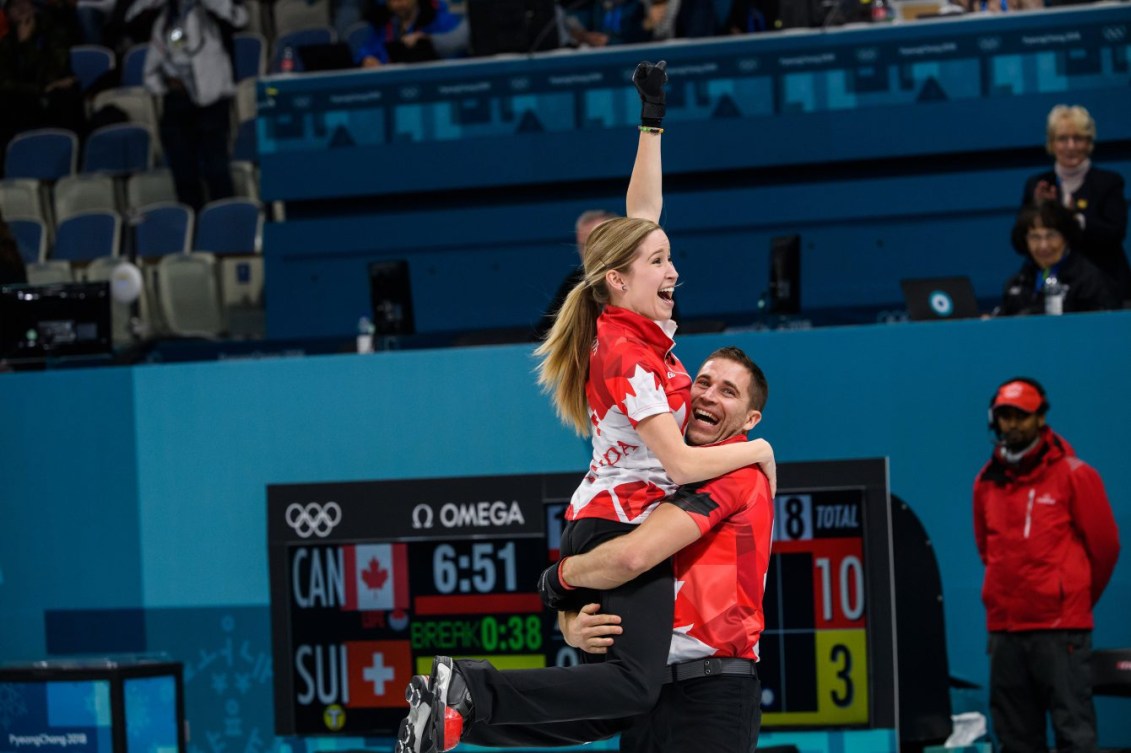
{"x":287,"y":64}
{"x":364,"y":335}
{"x":1054,"y":296}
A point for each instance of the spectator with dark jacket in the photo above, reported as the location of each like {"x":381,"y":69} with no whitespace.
{"x":1056,"y":277}
{"x":37,"y":88}
{"x":411,"y":31}
{"x":1047,"y":537}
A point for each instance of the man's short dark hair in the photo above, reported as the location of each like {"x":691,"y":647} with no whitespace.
{"x":759,"y":387}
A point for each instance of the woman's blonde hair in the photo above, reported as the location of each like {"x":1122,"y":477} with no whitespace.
{"x":564,"y":365}
{"x":1077,"y":116}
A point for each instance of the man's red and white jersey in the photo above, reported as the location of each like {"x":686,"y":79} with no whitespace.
{"x":632,"y":375}
{"x":720,"y":578}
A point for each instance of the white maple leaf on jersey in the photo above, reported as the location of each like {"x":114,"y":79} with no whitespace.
{"x":647,"y":393}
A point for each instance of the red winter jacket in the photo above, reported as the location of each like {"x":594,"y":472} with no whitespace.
{"x":1047,"y":537}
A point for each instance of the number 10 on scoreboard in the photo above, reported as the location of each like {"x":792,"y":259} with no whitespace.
{"x":814,"y":648}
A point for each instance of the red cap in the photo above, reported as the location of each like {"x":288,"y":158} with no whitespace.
{"x":1020,"y":395}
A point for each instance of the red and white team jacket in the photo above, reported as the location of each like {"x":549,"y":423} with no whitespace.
{"x":720,"y":578}
{"x":632,"y":375}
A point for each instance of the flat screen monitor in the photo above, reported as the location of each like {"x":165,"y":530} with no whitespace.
{"x":71,"y":715}
{"x":390,"y":293}
{"x":38,"y":322}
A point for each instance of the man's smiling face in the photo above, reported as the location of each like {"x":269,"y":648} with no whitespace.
{"x":721,"y":402}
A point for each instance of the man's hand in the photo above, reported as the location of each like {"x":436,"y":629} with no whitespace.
{"x":649,"y":80}
{"x":555,"y":595}
{"x":590,"y":630}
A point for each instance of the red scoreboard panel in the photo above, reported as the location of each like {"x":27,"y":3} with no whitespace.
{"x":370,"y":580}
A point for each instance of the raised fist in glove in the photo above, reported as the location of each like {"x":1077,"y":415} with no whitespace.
{"x":650,"y":80}
{"x":556,"y":595}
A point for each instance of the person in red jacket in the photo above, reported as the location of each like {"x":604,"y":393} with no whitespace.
{"x":1047,"y":536}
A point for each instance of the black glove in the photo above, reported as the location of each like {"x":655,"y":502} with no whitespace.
{"x":554,"y":595}
{"x":650,"y":80}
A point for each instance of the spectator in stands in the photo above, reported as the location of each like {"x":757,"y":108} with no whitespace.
{"x":37,"y":88}
{"x":412,"y":31}
{"x":12,"y":269}
{"x":599,"y":23}
{"x":1055,"y":278}
{"x":1094,"y":195}
{"x":586,"y":222}
{"x":190,"y":67}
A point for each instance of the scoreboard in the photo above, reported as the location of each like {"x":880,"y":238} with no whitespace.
{"x":827,"y":654}
{"x":370,"y":580}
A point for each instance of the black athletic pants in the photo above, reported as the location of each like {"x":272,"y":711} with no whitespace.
{"x":718,"y":714}
{"x":1038,"y":672}
{"x":563,"y":705}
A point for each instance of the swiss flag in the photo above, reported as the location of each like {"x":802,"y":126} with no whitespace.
{"x":378,"y":672}
{"x":376,"y":577}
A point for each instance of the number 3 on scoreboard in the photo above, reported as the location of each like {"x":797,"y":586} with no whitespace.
{"x":842,"y":676}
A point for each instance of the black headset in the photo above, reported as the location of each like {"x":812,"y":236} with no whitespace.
{"x":1042,"y":409}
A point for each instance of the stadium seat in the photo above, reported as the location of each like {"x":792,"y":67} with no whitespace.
{"x":189,"y":294}
{"x":31,"y":238}
{"x":163,"y":229}
{"x":118,"y":149}
{"x":42,"y":154}
{"x":293,"y":15}
{"x":48,"y":272}
{"x":150,"y":187}
{"x":22,"y":197}
{"x":135,"y":101}
{"x":90,"y":62}
{"x":87,"y":236}
{"x":231,"y":230}
{"x":133,"y":66}
{"x":229,"y":226}
{"x":251,"y":55}
{"x":245,"y":180}
{"x":245,"y":103}
{"x":84,"y":192}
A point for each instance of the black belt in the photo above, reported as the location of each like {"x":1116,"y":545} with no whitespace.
{"x":711,"y":667}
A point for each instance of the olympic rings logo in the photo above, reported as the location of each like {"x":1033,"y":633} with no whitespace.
{"x":313,"y":519}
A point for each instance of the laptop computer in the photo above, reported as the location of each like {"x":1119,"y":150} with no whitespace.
{"x":934,"y":298}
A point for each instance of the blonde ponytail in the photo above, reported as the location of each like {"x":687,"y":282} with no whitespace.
{"x":563,"y":369}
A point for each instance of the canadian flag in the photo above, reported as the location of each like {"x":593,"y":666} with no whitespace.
{"x":376,"y":577}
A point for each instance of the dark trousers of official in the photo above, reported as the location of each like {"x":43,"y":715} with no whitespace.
{"x":1037,"y":672}
{"x":594,"y":700}
{"x":195,"y":140}
{"x":716,"y":714}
